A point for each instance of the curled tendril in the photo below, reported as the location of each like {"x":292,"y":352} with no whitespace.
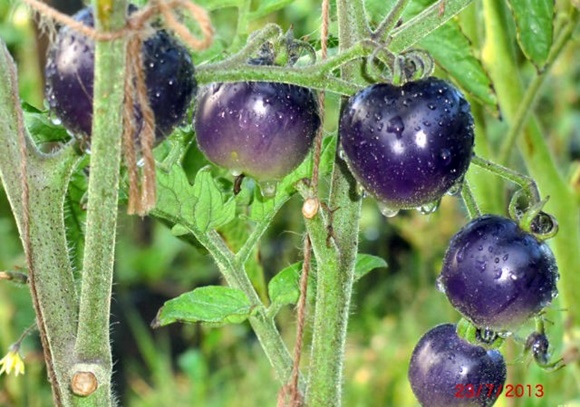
{"x":380,"y":65}
{"x":385,"y":66}
{"x":418,"y":64}
{"x":531,"y":217}
{"x":282,"y":50}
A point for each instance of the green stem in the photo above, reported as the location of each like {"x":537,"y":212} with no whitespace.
{"x":50,"y":273}
{"x":306,"y":76}
{"x":532,"y":90}
{"x":232,"y":268}
{"x":247,"y":249}
{"x":263,"y":325}
{"x":526,"y":183}
{"x":469,"y":200}
{"x":93,"y":345}
{"x":335,"y":274}
{"x":501,"y":64}
{"x":421,"y":25}
{"x":391,"y":19}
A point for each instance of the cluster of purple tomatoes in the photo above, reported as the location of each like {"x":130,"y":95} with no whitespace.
{"x":406,"y":146}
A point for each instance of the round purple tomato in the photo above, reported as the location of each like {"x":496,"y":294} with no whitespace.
{"x":169,"y":78}
{"x":497,"y":275}
{"x":447,"y":371}
{"x":407,"y":145}
{"x":260,"y":129}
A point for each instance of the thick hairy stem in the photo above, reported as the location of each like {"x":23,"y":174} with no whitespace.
{"x":335,"y":256}
{"x":40,"y":221}
{"x":92,"y":348}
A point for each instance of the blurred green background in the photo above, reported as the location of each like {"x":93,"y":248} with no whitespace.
{"x":200,"y":366}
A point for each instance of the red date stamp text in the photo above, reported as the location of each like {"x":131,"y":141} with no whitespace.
{"x":470,"y":391}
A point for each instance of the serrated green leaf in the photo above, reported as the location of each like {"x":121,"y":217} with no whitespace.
{"x":452,"y":51}
{"x":210,"y":210}
{"x":41,"y":128}
{"x":267,"y":7}
{"x":283,"y":288}
{"x":201,"y":204}
{"x":215,"y":305}
{"x":535,"y":25}
{"x":366,"y":263}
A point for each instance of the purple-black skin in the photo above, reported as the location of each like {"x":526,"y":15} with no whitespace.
{"x":169,"y":78}
{"x":261,"y":129}
{"x":407,"y":145}
{"x":497,"y":275}
{"x":443,"y":364}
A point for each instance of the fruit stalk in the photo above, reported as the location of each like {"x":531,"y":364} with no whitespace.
{"x":92,"y":347}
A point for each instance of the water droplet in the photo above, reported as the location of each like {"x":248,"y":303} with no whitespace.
{"x":506,"y":257}
{"x":455,"y":188}
{"x":396,"y":125}
{"x":431,"y":106}
{"x":341,"y":153}
{"x":513,"y":277}
{"x":496,"y":260}
{"x":268,"y":188}
{"x":429,"y":208}
{"x":445,"y":155}
{"x":56,"y":121}
{"x":387,"y":211}
{"x":235,"y":172}
{"x":439,"y":284}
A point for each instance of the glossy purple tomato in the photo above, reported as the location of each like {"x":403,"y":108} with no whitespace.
{"x":497,"y":275}
{"x":261,"y":129}
{"x":408,"y":145}
{"x":447,"y":371}
{"x":169,"y":78}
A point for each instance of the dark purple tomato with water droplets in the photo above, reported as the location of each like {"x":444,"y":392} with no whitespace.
{"x":261,"y":129}
{"x":169,"y":78}
{"x":498,"y":275}
{"x":407,"y":145}
{"x":447,"y":371}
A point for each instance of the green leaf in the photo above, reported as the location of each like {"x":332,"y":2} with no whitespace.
{"x":215,"y":305}
{"x":267,"y":7}
{"x":210,"y":210}
{"x":366,"y":263}
{"x":200,"y":205}
{"x":283,"y":288}
{"x":75,"y":216}
{"x":534,"y":25}
{"x":41,"y":128}
{"x":453,"y":52}
{"x":217,"y":4}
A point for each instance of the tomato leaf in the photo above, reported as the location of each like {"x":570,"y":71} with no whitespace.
{"x":366,"y":263}
{"x":283,"y":288}
{"x":201,"y":204}
{"x":534,"y":25}
{"x":267,"y":7}
{"x":214,"y":305}
{"x":210,"y":210}
{"x":452,"y":51}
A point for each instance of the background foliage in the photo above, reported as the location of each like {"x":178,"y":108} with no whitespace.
{"x":185,"y":365}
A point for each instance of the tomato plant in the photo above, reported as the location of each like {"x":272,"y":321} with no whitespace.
{"x":430,"y":105}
